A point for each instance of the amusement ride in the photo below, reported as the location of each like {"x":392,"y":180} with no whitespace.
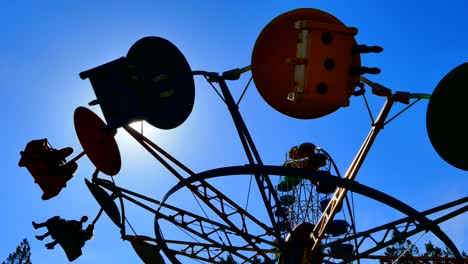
{"x":305,"y":64}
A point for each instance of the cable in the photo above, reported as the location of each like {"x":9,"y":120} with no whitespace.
{"x":122,"y":208}
{"x":206,"y":215}
{"x":97,"y":217}
{"x":245,"y":89}
{"x":129,"y":130}
{"x":401,"y":112}
{"x":131,"y":227}
{"x":216,"y":90}
{"x":193,"y":238}
{"x":368,"y":108}
{"x":248,"y":193}
{"x":406,"y":250}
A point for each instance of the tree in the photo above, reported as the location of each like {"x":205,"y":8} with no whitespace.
{"x":22,"y":255}
{"x":402,"y":248}
{"x":434,"y":251}
{"x":430,"y":251}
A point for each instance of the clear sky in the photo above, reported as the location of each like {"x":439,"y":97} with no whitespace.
{"x":45,"y":44}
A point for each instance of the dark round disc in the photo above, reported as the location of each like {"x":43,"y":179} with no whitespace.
{"x":100,"y":147}
{"x":164,"y":81}
{"x":106,"y":202}
{"x":147,"y":252}
{"x":447,"y":117}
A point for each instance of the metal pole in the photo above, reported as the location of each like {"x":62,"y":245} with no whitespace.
{"x":250,"y":148}
{"x":319,"y":231}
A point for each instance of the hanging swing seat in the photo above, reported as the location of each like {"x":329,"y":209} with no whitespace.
{"x":48,"y":166}
{"x":327,"y":185}
{"x":315,"y":161}
{"x":68,"y":236}
{"x":287,"y":200}
{"x":338,"y":228}
{"x":302,"y":151}
{"x":343,"y":250}
{"x":284,"y":187}
{"x":292,"y":181}
{"x":72,"y":245}
{"x":324,"y":203}
{"x":283,"y":213}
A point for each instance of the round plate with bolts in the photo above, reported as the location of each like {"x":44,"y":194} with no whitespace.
{"x":302,"y":63}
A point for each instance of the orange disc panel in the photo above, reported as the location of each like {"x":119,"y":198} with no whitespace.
{"x":301,"y":63}
{"x":100,"y":147}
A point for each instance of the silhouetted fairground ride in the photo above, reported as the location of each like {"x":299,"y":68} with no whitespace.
{"x":310,"y":70}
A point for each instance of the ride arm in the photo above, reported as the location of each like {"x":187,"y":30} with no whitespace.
{"x":335,"y":203}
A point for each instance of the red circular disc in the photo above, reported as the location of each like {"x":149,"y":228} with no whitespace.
{"x":301,"y":63}
{"x":100,"y":147}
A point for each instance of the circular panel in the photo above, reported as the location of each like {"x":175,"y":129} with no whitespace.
{"x":100,"y":147}
{"x":147,"y":252}
{"x":106,"y":202}
{"x":447,"y":117}
{"x":305,"y":48}
{"x":164,"y":80}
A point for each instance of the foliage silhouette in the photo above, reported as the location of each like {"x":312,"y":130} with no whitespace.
{"x":405,"y":248}
{"x":22,"y":254}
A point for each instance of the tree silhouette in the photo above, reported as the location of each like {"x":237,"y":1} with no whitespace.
{"x":406,"y":248}
{"x":22,"y":255}
{"x":402,"y":248}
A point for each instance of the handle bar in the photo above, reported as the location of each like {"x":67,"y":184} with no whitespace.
{"x":402,"y":97}
{"x":231,"y":75}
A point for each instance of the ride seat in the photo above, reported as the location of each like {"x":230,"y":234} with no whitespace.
{"x":48,"y":166}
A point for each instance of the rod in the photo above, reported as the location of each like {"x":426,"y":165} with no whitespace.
{"x":319,"y":231}
{"x":77,"y":157}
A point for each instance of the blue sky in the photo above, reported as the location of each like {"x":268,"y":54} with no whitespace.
{"x":46,"y":44}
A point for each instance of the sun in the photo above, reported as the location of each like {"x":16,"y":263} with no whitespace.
{"x":130,"y":147}
{"x":139,"y":125}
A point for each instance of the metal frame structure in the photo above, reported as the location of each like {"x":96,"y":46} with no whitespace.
{"x":415,"y":222}
{"x":226,"y":209}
